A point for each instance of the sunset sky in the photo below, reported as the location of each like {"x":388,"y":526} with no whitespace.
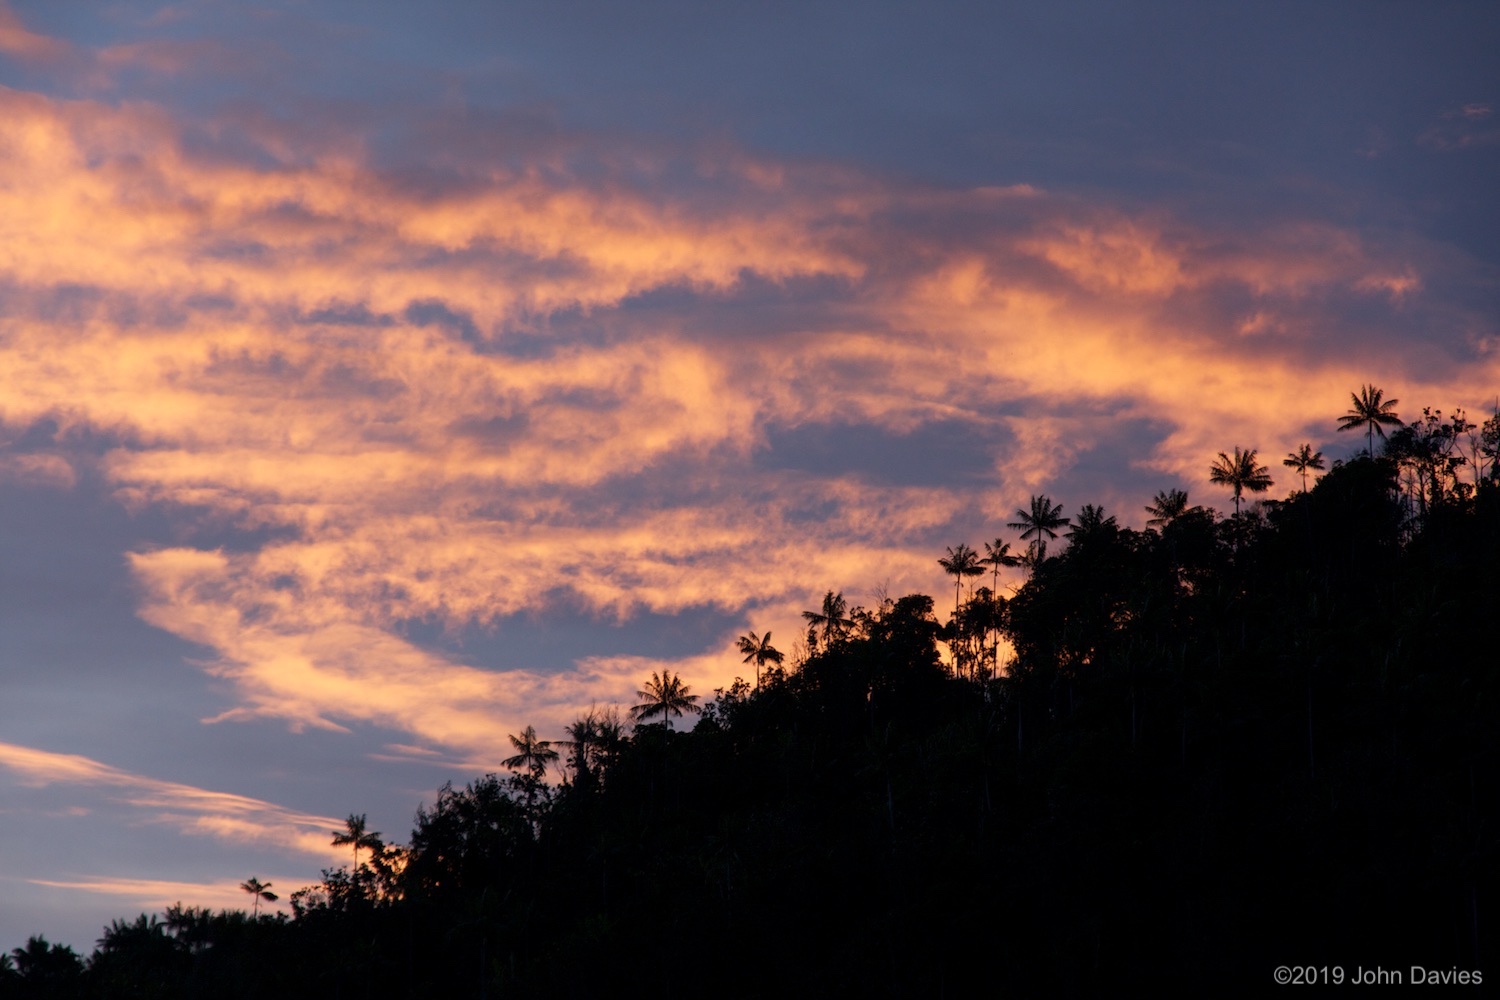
{"x":377,"y":379}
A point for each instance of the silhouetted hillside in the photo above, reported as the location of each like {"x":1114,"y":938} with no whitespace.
{"x":1222,"y":745}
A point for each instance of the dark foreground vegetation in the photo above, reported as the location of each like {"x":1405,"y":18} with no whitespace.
{"x":1222,"y":745}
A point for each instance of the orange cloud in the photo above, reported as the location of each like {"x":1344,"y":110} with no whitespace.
{"x":107,"y":199}
{"x":159,"y":894}
{"x":16,"y":40}
{"x":42,"y":470}
{"x":455,"y":402}
{"x":1397,"y":286}
{"x":187,"y":808}
{"x":1119,"y":256}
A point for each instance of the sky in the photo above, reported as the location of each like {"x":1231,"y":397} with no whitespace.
{"x":376,"y":381}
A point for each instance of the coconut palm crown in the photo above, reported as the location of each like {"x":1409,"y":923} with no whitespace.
{"x":258,"y":891}
{"x":1301,"y":460}
{"x":1044,"y":518}
{"x":1372,"y":412}
{"x":831,"y":619}
{"x":1240,"y":473}
{"x":356,"y":836}
{"x":532,"y":753}
{"x":666,"y":696}
{"x":758,"y":649}
{"x":1166,"y":507}
{"x":961,"y":562}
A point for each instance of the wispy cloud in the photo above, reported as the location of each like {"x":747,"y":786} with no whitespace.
{"x":18,"y":41}
{"x":158,"y":894}
{"x":186,"y":808}
{"x":1468,"y":127}
{"x":461,"y":398}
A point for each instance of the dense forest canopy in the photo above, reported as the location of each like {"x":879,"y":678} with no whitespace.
{"x":1192,"y":752}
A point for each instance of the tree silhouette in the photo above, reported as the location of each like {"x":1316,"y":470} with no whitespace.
{"x":1091,"y":520}
{"x":133,"y":958}
{"x":258,"y":891}
{"x":1302,"y":459}
{"x":1476,"y":455}
{"x":1427,"y":452}
{"x":532,"y":754}
{"x":1489,"y":442}
{"x":961,"y":562}
{"x":356,"y":836}
{"x":831,"y":620}
{"x":996,"y":555}
{"x":1240,"y":473}
{"x":48,"y":969}
{"x":587,"y":742}
{"x":1044,"y":518}
{"x":759,"y":650}
{"x":1371,"y":412}
{"x":1161,"y":680}
{"x":1035,"y":554}
{"x":1166,"y":507}
{"x":665,"y":696}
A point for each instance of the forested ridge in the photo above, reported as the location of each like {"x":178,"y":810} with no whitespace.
{"x":1110,"y":760}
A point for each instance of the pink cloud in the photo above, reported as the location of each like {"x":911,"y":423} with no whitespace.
{"x":159,"y":894}
{"x":16,"y":40}
{"x":188,"y":809}
{"x":424,"y":472}
{"x":1462,"y":128}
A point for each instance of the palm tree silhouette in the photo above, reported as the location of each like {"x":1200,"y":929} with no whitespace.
{"x":760,"y":650}
{"x":1371,"y":412}
{"x":1166,"y":507}
{"x":583,"y":736}
{"x":1044,"y":518}
{"x":532,"y":753}
{"x":665,"y":696}
{"x":1302,"y":459}
{"x":47,"y":965}
{"x":1091,"y":519}
{"x":831,"y":620}
{"x":356,"y":836}
{"x":590,"y":740}
{"x":996,"y":555}
{"x":1240,"y":473}
{"x":961,"y":562}
{"x":1035,"y":555}
{"x":258,"y":890}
